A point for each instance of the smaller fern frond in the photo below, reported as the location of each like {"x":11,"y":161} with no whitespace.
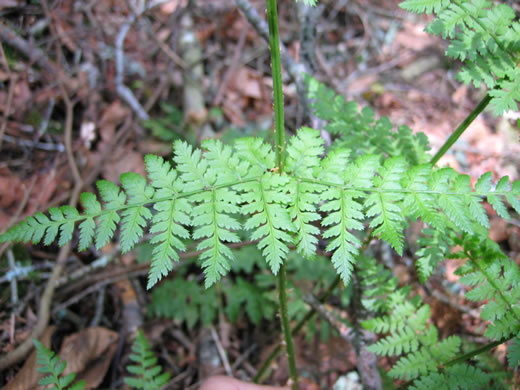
{"x":378,"y":285}
{"x":424,"y":6}
{"x":458,"y":376}
{"x":495,"y":278}
{"x":184,"y":300}
{"x":303,"y":159}
{"x":265,"y":201}
{"x":513,"y":353}
{"x":134,"y":219}
{"x":483,"y":35}
{"x":434,"y":246}
{"x":388,"y":221}
{"x":147,"y":373}
{"x":50,"y":363}
{"x":167,"y":223}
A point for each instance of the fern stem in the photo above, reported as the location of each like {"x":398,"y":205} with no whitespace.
{"x":461,"y":129}
{"x":284,"y":314}
{"x":477,"y":351}
{"x":274,"y":45}
{"x":294,"y":331}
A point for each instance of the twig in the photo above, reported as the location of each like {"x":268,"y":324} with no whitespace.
{"x":47,"y":117}
{"x":33,"y":53}
{"x":34,"y":144}
{"x":100,"y":302}
{"x":318,"y":307}
{"x":123,"y":91}
{"x":14,"y":285}
{"x":221,"y":352}
{"x":366,"y":361}
{"x":12,"y":82}
{"x":96,"y":287}
{"x":45,"y":302}
{"x":232,"y":67}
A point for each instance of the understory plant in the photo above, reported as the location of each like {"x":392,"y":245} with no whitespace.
{"x":298,"y":195}
{"x":146,"y":374}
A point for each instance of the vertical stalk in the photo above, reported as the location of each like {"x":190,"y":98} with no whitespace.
{"x":461,"y":129}
{"x":274,"y":44}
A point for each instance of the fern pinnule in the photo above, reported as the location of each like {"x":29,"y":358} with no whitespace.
{"x":485,"y":37}
{"x":171,"y":215}
{"x":147,"y":373}
{"x":50,"y":363}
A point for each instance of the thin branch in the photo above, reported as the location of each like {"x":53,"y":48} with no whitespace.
{"x":124,"y":92}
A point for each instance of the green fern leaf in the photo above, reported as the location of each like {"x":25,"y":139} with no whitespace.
{"x":388,"y":221}
{"x":345,"y":211}
{"x":50,"y":363}
{"x":513,"y":353}
{"x":211,"y":211}
{"x":114,"y":200}
{"x":147,"y":373}
{"x":88,"y":226}
{"x":265,"y":202}
{"x":167,"y":223}
{"x":257,"y":305}
{"x":413,"y":365}
{"x":303,"y":159}
{"x":185,"y":301}
{"x":424,"y":6}
{"x":134,"y":219}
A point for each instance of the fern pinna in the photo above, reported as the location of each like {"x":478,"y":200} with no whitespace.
{"x":486,"y":37}
{"x":203,"y":196}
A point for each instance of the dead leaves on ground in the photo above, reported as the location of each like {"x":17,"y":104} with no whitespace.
{"x":88,"y":353}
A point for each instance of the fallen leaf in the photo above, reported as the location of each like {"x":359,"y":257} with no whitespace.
{"x":89,"y":353}
{"x":28,"y":377}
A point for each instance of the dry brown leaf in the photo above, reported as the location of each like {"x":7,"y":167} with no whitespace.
{"x":28,"y":377}
{"x":247,"y":82}
{"x":123,"y":160}
{"x":112,"y":116}
{"x":89,"y":353}
{"x":413,"y":37}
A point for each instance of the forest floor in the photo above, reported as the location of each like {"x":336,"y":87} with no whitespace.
{"x":64,"y":67}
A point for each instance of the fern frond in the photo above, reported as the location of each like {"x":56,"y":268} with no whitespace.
{"x":50,"y":363}
{"x":361,"y":131}
{"x":303,"y":159}
{"x":265,"y":202}
{"x":185,"y":301}
{"x":243,"y":293}
{"x":345,"y":213}
{"x":513,"y":353}
{"x":458,"y":376}
{"x":134,"y":219}
{"x":378,"y":285}
{"x":148,"y":373}
{"x":495,"y":278}
{"x":424,"y":6}
{"x":167,"y":223}
{"x":388,"y":221}
{"x":207,"y":190}
{"x":485,"y":37}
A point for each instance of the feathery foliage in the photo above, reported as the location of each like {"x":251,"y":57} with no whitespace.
{"x":50,"y":363}
{"x":206,"y":193}
{"x":374,"y":179}
{"x":486,"y":37}
{"x":147,"y":373}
